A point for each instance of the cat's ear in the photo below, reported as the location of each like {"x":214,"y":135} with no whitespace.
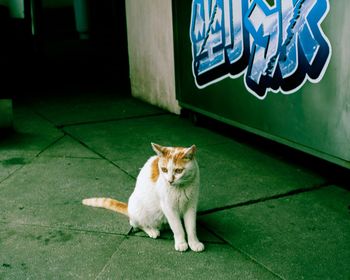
{"x":189,"y":153}
{"x":160,"y":150}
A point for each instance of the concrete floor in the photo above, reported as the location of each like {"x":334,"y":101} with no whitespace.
{"x":265,"y":211}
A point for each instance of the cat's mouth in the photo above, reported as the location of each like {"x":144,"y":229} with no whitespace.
{"x":175,"y":184}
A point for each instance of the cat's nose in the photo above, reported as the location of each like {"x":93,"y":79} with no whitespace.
{"x":171,"y":179}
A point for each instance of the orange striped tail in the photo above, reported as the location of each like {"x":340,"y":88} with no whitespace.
{"x":107,"y":203}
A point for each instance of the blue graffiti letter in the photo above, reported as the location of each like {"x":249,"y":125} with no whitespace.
{"x":262,"y":22}
{"x":278,"y":47}
{"x":207,"y":35}
{"x":218,"y":39}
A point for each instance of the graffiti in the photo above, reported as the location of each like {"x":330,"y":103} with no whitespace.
{"x":276,"y":47}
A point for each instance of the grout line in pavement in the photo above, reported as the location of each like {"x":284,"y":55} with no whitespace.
{"x":11,"y":174}
{"x":50,"y":145}
{"x":84,"y":231}
{"x":263,"y":199}
{"x":85,"y":145}
{"x":249,"y":257}
{"x":108,"y":261}
{"x":110,"y":120}
{"x":99,"y":154}
{"x":65,"y":227}
{"x":62,"y":126}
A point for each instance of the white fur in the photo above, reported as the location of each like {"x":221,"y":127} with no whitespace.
{"x":170,"y":199}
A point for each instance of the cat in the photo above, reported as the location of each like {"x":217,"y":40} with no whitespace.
{"x":166,"y":191}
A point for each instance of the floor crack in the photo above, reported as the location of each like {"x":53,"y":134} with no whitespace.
{"x":99,"y":154}
{"x":248,"y":256}
{"x":61,"y":126}
{"x":111,"y":257}
{"x":263,"y":199}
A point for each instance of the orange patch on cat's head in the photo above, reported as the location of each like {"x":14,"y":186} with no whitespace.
{"x":179,"y":155}
{"x":160,"y":150}
{"x":183,"y":155}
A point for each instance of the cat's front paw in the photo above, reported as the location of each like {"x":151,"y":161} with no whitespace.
{"x":181,"y":246}
{"x":196,"y":246}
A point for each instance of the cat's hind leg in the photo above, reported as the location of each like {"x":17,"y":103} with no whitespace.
{"x":151,"y":232}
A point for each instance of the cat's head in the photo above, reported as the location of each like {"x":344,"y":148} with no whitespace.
{"x":177,"y":165}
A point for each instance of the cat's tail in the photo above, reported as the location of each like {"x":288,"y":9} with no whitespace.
{"x":107,"y":203}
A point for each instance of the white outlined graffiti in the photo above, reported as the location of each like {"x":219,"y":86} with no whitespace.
{"x":276,"y":48}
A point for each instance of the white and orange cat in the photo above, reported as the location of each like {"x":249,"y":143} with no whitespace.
{"x":166,"y":191}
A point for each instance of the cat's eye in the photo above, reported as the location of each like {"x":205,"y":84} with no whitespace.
{"x":179,"y":170}
{"x":164,"y":170}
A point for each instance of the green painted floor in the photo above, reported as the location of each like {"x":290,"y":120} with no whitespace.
{"x":265,"y":211}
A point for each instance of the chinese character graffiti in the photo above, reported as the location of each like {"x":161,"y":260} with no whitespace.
{"x":276,"y":47}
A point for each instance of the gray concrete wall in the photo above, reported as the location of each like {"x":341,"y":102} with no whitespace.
{"x":151,"y":52}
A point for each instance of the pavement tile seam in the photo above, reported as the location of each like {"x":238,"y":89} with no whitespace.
{"x":129,"y":234}
{"x":62,"y":126}
{"x":96,"y":231}
{"x":225,"y":139}
{"x":11,"y":174}
{"x":243,"y":253}
{"x":264,"y":199}
{"x":64,"y":235}
{"x":70,"y":157}
{"x":100,"y":155}
{"x":311,"y":230}
{"x":140,"y":234}
{"x":50,"y":145}
{"x":29,"y":159}
{"x":188,"y":252}
{"x":111,"y":257}
{"x":62,"y":227}
{"x":42,"y":116}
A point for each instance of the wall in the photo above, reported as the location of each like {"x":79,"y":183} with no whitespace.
{"x":5,"y":102}
{"x":151,"y":54}
{"x":57,"y":3}
{"x":305,"y":105}
{"x":5,"y":113}
{"x":16,"y":8}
